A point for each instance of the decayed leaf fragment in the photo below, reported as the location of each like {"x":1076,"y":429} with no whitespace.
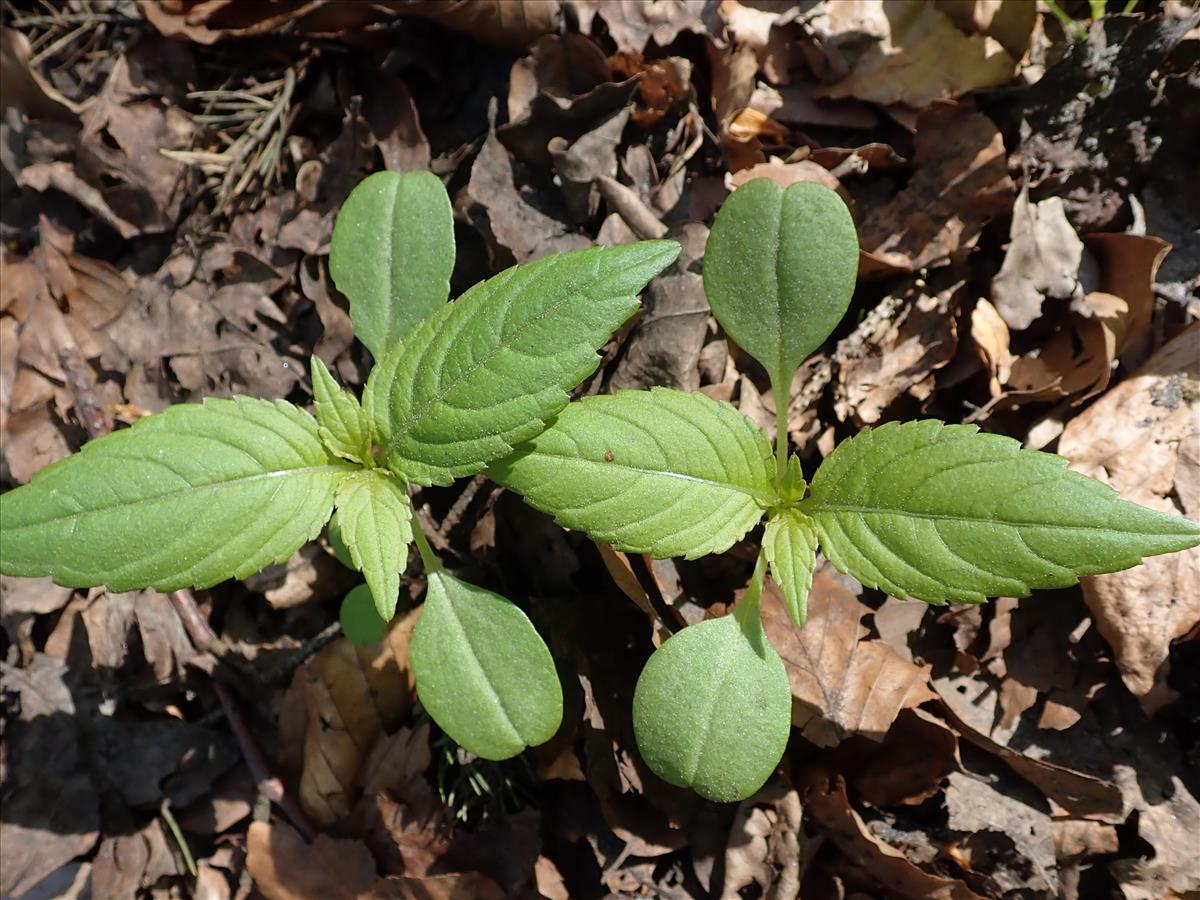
{"x":841,"y":684}
{"x":895,"y":68}
{"x":342,"y":701}
{"x":1141,"y":438}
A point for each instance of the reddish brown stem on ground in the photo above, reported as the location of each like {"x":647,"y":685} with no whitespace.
{"x":203,"y":637}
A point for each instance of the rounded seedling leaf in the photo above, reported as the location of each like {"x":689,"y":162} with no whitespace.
{"x":361,"y":622}
{"x":482,"y":671}
{"x":392,"y":254}
{"x":712,"y":709}
{"x":338,"y":543}
{"x":779,"y":270}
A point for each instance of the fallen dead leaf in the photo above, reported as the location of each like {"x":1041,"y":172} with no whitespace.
{"x":841,"y":684}
{"x":767,"y":846}
{"x":894,"y":67}
{"x":1004,"y":836}
{"x":824,"y":797}
{"x":633,"y":24}
{"x":285,"y":867}
{"x":343,"y":701}
{"x":1132,"y":438}
{"x":1043,"y":260}
{"x":961,"y":181}
{"x":903,"y":350}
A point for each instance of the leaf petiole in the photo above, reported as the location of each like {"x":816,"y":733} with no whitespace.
{"x":429,"y":559}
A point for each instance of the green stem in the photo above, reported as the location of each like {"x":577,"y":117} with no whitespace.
{"x":747,"y":611}
{"x":428,"y":557}
{"x":780,"y":392}
{"x":173,"y":826}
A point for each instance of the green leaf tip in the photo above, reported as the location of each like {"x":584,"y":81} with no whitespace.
{"x":712,"y":709}
{"x":392,"y":253}
{"x":490,"y":369}
{"x":779,"y":270}
{"x":790,"y":546}
{"x":482,"y":671}
{"x":943,"y":513}
{"x":662,"y":472}
{"x":186,"y":498}
{"x":341,"y":420}
{"x":375,"y":519}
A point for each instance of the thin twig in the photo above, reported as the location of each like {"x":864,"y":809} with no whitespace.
{"x":204,"y":639}
{"x":454,"y":516}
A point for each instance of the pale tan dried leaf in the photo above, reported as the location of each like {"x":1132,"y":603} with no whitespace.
{"x":285,"y":867}
{"x":1043,"y":260}
{"x":991,"y":336}
{"x":896,"y":69}
{"x":347,"y":697}
{"x":842,"y":685}
{"x":1132,"y":438}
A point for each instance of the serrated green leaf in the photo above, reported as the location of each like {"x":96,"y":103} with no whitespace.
{"x":712,"y":709}
{"x":940,"y":512}
{"x":779,"y":270}
{"x":482,"y":671}
{"x":662,"y":472}
{"x":793,"y":485}
{"x":361,"y":622}
{"x":492,"y":367}
{"x":392,"y":254}
{"x":375,"y":517}
{"x":338,"y":545}
{"x":341,"y":420}
{"x":186,"y":498}
{"x":790,"y":545}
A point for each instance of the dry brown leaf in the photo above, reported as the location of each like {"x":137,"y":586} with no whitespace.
{"x":1082,"y":837}
{"x":1129,"y":266}
{"x":664,"y":347}
{"x":896,"y":68}
{"x":285,"y":867}
{"x":343,"y":700}
{"x":1011,"y":22}
{"x":841,"y":684}
{"x":1043,"y":260}
{"x":127,"y":864}
{"x":903,"y":352}
{"x":569,"y":64}
{"x":1132,"y":438}
{"x":825,"y":800}
{"x":971,"y":708}
{"x":961,"y":181}
{"x":24,"y":87}
{"x":989,"y":817}
{"x":634,"y":23}
{"x":991,"y":336}
{"x":767,"y":846}
{"x":918,"y":752}
{"x":787,"y":174}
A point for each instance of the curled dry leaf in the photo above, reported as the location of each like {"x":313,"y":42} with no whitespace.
{"x":343,"y":701}
{"x":633,"y":23}
{"x":1137,"y":438}
{"x":824,"y":798}
{"x":767,"y":846}
{"x":285,"y":867}
{"x":841,"y":684}
{"x":1042,"y":260}
{"x":961,"y":181}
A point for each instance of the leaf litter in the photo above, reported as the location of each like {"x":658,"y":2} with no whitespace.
{"x":171,"y":173}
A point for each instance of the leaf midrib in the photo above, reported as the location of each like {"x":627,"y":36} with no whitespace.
{"x":814,"y":509}
{"x":191,"y":490}
{"x":412,"y":422}
{"x":474,"y":657}
{"x":763,"y":498}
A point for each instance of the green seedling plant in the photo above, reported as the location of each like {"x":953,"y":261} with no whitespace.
{"x":201,"y":493}
{"x":922,"y":509}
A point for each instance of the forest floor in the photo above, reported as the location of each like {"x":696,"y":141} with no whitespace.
{"x":1026,"y":188}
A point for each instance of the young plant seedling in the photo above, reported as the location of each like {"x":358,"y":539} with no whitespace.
{"x":922,"y":509}
{"x":204,"y":492}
